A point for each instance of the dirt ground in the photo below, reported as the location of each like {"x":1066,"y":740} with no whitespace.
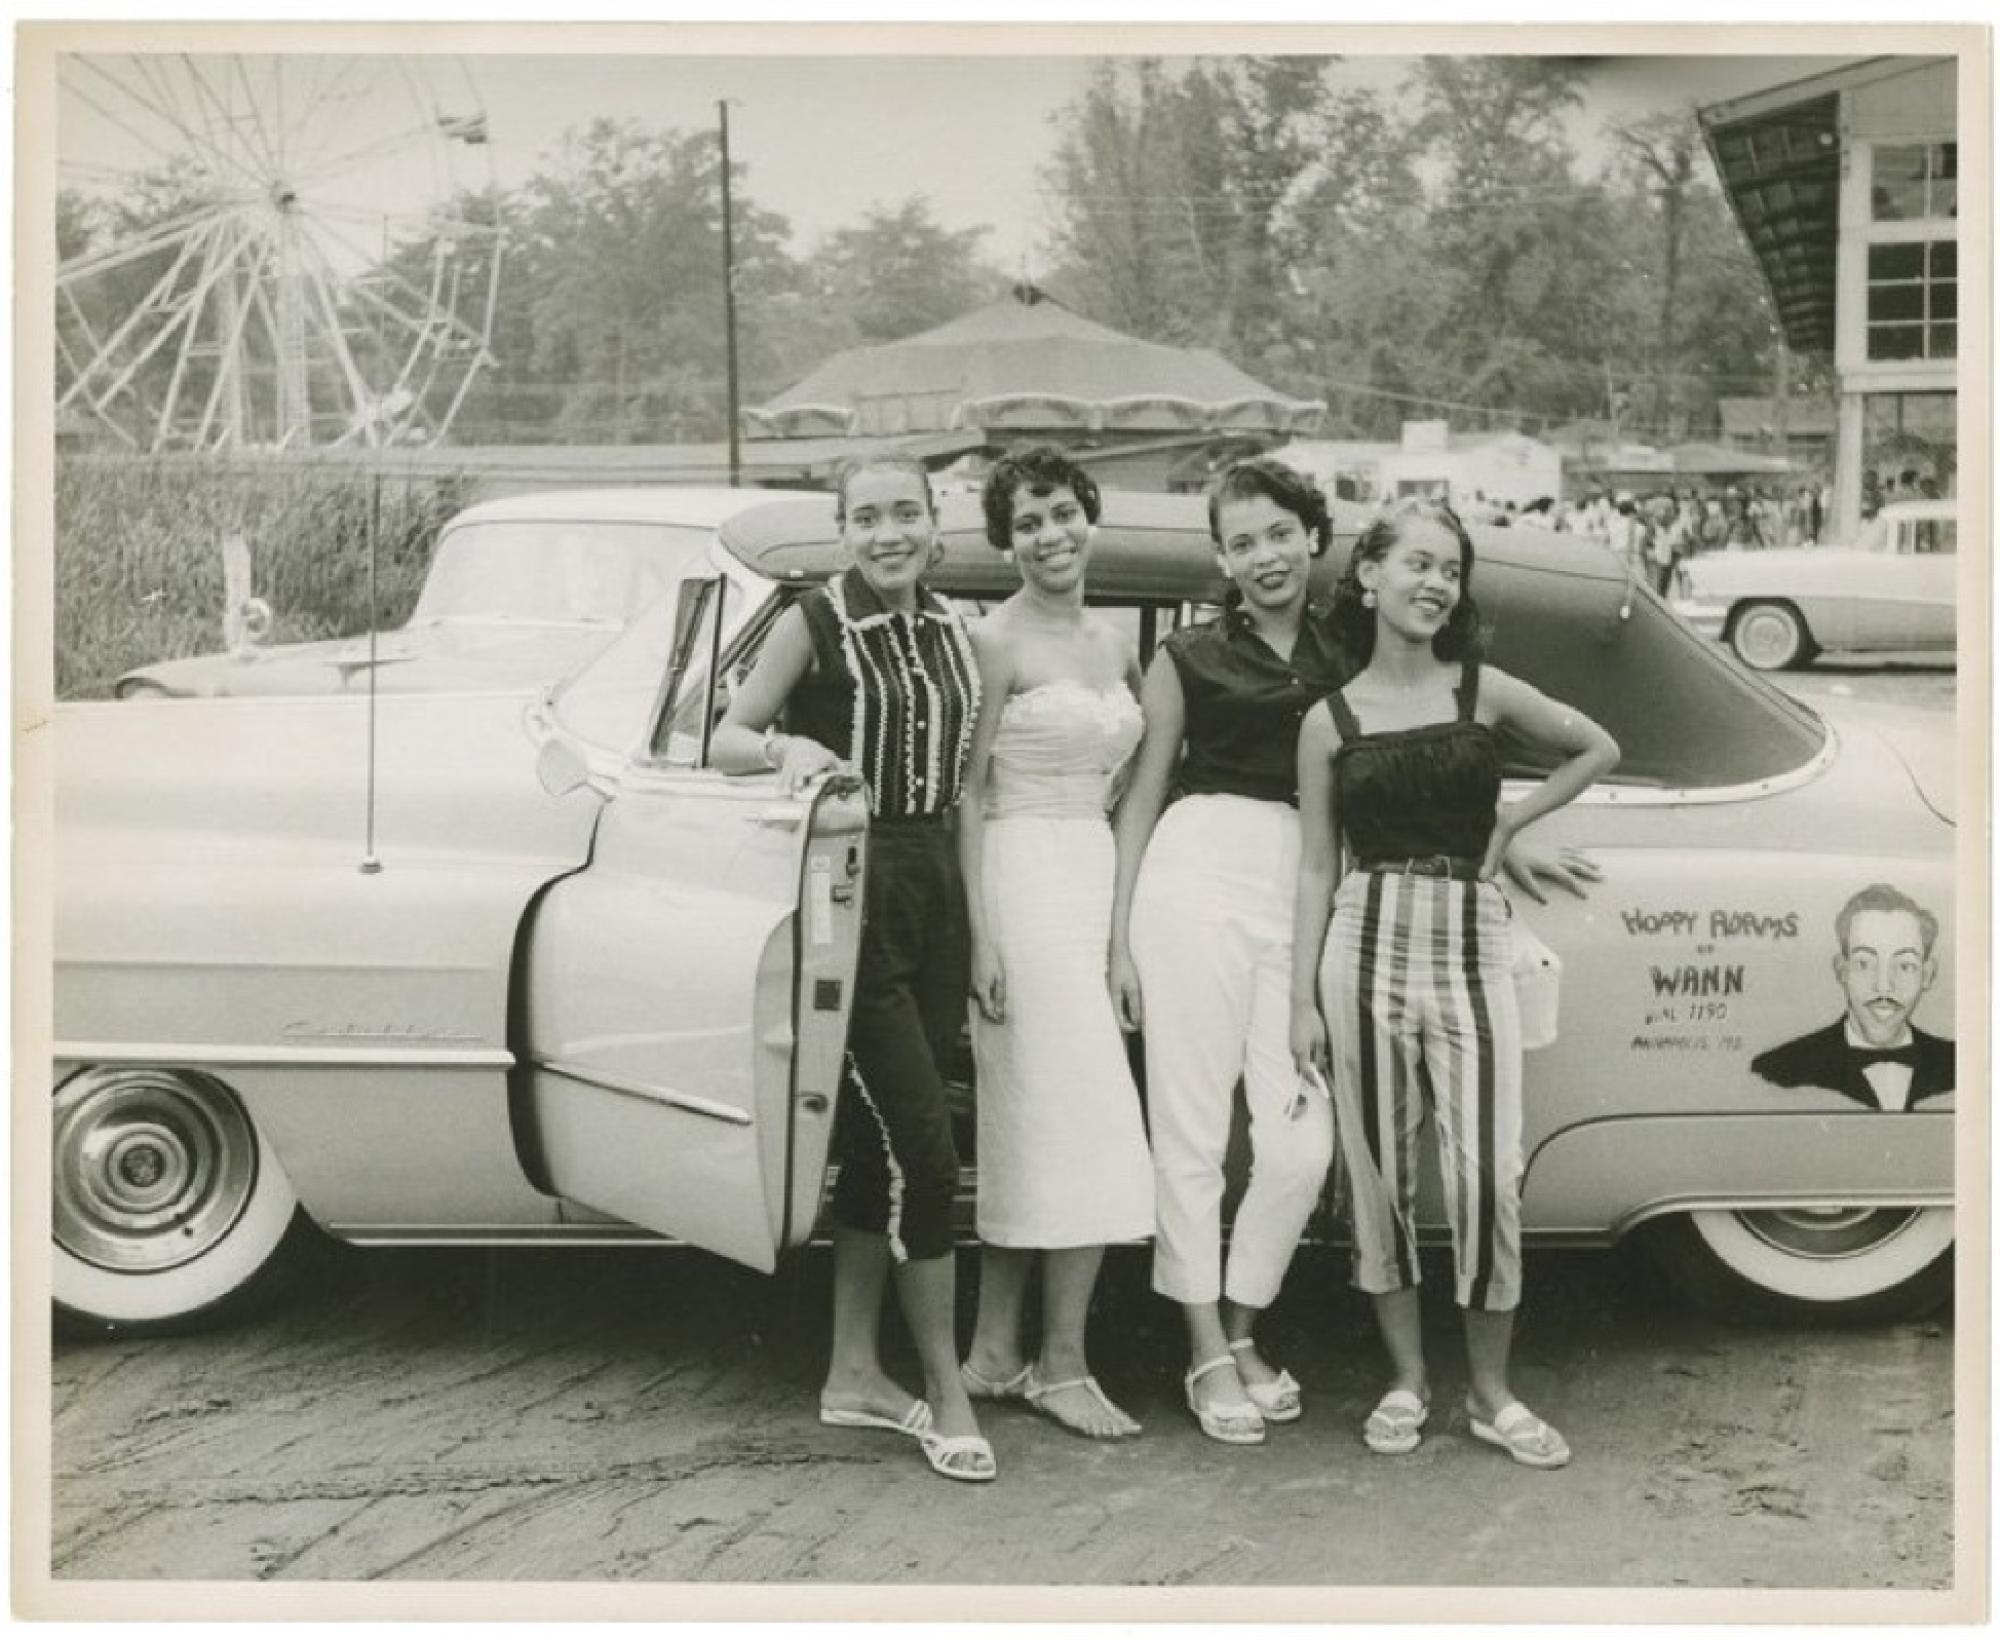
{"x":648,"y":1416}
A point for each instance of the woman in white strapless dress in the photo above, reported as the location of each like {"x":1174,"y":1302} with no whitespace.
{"x":1063,"y":1164}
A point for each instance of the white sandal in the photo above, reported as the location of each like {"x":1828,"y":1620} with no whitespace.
{"x":916,"y":1420}
{"x":980,"y":1386}
{"x":1225,"y":1423}
{"x":945,"y":1454}
{"x":1038,"y":1390}
{"x":1275,"y":1400}
{"x":1522,"y":1434}
{"x":1396,"y":1425}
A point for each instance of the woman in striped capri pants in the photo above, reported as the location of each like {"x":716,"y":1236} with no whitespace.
{"x":1408,"y":995}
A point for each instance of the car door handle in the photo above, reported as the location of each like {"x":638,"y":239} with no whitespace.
{"x":785,"y":815}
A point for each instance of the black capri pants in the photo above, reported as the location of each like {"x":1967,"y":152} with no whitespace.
{"x":898,"y":1163}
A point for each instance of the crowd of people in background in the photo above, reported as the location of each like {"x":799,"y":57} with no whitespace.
{"x":1655,"y":529}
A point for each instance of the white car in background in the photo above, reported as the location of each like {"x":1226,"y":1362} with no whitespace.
{"x":1892,"y":590}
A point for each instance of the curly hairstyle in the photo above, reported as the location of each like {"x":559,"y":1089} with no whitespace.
{"x":1039,"y":468}
{"x":1461,"y":637}
{"x":854,"y":465}
{"x":1262,"y":478}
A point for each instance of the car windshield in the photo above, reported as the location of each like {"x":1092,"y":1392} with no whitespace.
{"x":581,"y":573}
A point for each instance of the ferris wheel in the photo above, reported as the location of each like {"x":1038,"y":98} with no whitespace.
{"x":273,"y":251}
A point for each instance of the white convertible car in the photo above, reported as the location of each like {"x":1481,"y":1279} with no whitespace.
{"x":1892,"y":590}
{"x":571,"y":985}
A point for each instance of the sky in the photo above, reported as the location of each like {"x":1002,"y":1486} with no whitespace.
{"x":823,"y":138}
{"x":820,"y":138}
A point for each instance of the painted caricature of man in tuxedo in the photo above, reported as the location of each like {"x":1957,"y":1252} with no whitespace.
{"x":1874,"y":1054}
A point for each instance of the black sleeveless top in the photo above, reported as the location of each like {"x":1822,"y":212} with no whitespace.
{"x":894,"y":694}
{"x":1243,"y":704}
{"x":1417,"y":792}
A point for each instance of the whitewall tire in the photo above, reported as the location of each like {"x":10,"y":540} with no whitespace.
{"x":170,"y":1208}
{"x":1771,"y":636}
{"x":1846,"y":1264}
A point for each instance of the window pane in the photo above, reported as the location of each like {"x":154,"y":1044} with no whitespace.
{"x":1882,"y":414}
{"x":1944,"y":341}
{"x":1935,"y":537}
{"x":1944,"y":301}
{"x":1944,"y":258}
{"x":1929,"y":415}
{"x":1901,"y":162}
{"x":1899,"y":183}
{"x":1896,"y":341}
{"x":1944,"y":161}
{"x":1895,"y":261}
{"x":1887,"y":301}
{"x":1944,"y":201}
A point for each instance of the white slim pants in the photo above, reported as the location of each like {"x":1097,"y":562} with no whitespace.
{"x":1212,"y":938}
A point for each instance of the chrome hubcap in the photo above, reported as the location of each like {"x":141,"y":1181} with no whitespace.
{"x":1767,"y":638}
{"x":1830,"y":1233}
{"x":152,"y":1167}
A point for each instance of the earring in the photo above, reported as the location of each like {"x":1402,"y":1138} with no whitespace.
{"x":1367,"y":599}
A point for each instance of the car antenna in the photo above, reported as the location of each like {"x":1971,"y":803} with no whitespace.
{"x":370,"y":864}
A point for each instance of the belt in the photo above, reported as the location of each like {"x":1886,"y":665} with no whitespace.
{"x":1439,"y":865}
{"x":907,"y":823}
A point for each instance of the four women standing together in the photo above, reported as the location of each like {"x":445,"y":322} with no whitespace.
{"x":1207,"y":917}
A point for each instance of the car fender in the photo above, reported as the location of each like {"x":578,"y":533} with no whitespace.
{"x":214,"y":907}
{"x":1599,"y":1180}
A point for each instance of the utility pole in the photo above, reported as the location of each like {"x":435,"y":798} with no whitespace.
{"x":729,"y":304}
{"x":1781,"y":411}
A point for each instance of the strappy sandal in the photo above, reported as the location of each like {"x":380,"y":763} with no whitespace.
{"x":1522,"y":1434}
{"x":1396,"y":1425}
{"x":1038,"y":1390}
{"x":1275,"y":1400}
{"x":1225,"y":1423}
{"x":916,"y":1420}
{"x":968,"y":1458}
{"x":980,"y":1386}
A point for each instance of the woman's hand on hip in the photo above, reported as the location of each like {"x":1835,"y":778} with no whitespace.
{"x":1532,"y":867}
{"x":989,"y":982}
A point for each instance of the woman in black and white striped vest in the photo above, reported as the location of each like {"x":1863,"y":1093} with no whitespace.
{"x":874,"y":670}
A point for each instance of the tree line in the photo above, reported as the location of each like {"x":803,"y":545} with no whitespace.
{"x":1438,"y":251}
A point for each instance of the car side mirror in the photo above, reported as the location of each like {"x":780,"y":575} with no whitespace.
{"x":559,"y":768}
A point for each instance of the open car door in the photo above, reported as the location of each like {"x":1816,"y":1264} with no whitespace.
{"x":685,"y":1007}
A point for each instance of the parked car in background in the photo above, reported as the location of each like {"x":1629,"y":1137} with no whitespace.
{"x":1893,"y":589}
{"x":585,"y":989}
{"x":519,"y":592}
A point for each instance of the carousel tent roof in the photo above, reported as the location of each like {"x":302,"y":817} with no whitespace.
{"x":1028,"y":362}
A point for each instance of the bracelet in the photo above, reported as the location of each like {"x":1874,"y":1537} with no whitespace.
{"x":774,"y":741}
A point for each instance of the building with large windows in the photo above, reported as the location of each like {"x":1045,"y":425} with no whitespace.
{"x":1846,"y":186}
